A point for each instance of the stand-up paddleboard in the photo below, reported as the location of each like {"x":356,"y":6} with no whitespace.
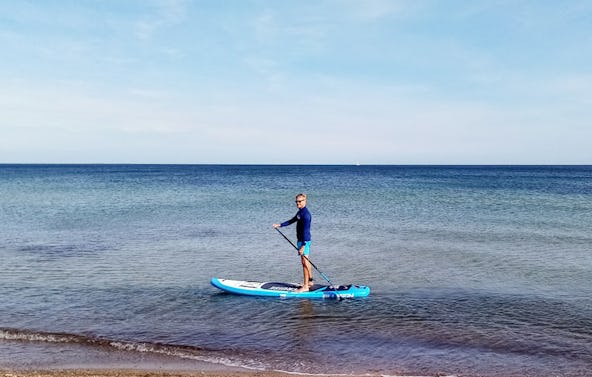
{"x":288,"y":290}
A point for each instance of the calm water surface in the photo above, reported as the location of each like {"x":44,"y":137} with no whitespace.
{"x":474,"y":271}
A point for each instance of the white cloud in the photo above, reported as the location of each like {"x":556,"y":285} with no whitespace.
{"x":76,"y":123}
{"x":573,"y":88}
{"x":166,"y":13}
{"x":372,"y":10}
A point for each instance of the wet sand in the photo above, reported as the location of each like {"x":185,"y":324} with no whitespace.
{"x":140,"y":373}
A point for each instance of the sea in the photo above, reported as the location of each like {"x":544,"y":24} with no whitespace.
{"x":473,"y":270}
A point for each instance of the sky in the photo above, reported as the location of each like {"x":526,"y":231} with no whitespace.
{"x":296,"y":82}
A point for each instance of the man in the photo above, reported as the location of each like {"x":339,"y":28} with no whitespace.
{"x":302,"y":219}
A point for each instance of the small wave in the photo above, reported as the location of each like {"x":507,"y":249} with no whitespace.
{"x":170,"y":350}
{"x":33,"y":336}
{"x":177,"y":351}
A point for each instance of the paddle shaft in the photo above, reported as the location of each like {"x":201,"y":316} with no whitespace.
{"x":309,"y":261}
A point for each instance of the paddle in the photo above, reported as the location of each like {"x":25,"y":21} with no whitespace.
{"x":309,"y":261}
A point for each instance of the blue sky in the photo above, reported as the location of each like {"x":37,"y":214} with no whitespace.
{"x":312,"y":82}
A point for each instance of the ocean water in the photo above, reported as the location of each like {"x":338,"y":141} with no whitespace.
{"x":474,"y":270}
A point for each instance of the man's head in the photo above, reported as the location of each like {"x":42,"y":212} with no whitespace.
{"x":301,"y":200}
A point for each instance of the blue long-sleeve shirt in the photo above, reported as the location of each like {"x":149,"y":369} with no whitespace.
{"x":303,"y":219}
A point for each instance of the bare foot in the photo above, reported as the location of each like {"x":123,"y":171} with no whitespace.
{"x":302,"y":289}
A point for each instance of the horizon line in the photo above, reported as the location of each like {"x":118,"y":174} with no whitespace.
{"x":288,"y":164}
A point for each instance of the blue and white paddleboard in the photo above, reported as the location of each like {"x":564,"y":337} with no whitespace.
{"x":288,"y":290}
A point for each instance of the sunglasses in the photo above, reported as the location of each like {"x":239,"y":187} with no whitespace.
{"x":300,"y":201}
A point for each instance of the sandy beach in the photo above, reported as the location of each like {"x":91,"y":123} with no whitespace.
{"x":138,"y":373}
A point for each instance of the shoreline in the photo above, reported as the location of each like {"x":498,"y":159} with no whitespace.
{"x":163,"y":370}
{"x":142,"y":373}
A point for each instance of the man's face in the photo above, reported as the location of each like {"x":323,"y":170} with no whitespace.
{"x":300,"y":202}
